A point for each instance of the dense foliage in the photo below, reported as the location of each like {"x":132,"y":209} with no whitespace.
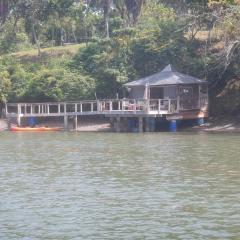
{"x":121,"y":41}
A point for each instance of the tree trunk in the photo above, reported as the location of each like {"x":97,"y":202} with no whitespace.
{"x":107,"y":27}
{"x":74,"y":35}
{"x":36,"y":39}
{"x":106,"y":9}
{"x":62,"y":36}
{"x":134,"y":8}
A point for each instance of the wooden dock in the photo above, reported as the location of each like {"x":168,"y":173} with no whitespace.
{"x":111,"y":108}
{"x":95,"y":107}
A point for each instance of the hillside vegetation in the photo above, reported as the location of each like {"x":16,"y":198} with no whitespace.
{"x":56,"y":50}
{"x":50,"y":52}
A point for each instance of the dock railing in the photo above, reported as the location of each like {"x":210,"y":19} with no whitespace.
{"x":94,"y":107}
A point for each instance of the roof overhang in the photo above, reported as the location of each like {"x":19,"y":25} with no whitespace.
{"x":167,"y":77}
{"x":166,"y":85}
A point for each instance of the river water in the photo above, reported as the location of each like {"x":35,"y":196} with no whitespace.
{"x":119,"y":186}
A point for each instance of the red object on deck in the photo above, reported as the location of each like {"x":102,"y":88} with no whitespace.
{"x":34,"y":129}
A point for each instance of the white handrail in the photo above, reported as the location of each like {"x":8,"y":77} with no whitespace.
{"x":110,"y":106}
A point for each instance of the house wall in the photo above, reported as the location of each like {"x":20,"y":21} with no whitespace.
{"x":156,"y":93}
{"x":163,"y":92}
{"x":193,"y":91}
{"x":170,"y":92}
{"x":137,"y":93}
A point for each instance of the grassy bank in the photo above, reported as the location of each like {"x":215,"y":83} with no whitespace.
{"x":50,"y":53}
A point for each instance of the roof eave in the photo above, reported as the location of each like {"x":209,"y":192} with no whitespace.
{"x":162,"y":85}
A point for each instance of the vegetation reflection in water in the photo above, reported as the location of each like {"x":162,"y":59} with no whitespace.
{"x":119,"y":186}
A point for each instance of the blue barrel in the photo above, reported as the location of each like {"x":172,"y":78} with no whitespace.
{"x":200,"y":121}
{"x":32,"y":121}
{"x":173,"y":126}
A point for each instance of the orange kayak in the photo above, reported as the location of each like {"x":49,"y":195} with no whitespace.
{"x":34,"y":129}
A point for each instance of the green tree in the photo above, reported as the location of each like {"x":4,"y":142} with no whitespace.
{"x":5,"y":85}
{"x":60,"y":9}
{"x":34,"y":13}
{"x":134,"y":8}
{"x":104,"y":6}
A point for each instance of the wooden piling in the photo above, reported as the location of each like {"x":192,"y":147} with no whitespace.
{"x":65,"y":122}
{"x":147,"y":128}
{"x":118,"y":125}
{"x":140,"y":123}
{"x":76,"y":123}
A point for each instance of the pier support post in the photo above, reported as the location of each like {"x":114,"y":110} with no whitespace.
{"x":19,"y":109}
{"x":65,"y":122}
{"x":147,"y":128}
{"x":150,"y":124}
{"x":19,"y":120}
{"x":76,"y":123}
{"x":9,"y":123}
{"x":140,"y":124}
{"x":118,"y":127}
{"x":173,"y":125}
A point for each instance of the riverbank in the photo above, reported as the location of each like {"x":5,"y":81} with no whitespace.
{"x":3,"y":125}
{"x":219,"y":124}
{"x":85,"y":124}
{"x":96,"y":124}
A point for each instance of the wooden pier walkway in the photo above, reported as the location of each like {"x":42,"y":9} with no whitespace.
{"x":110,"y":108}
{"x":95,"y":107}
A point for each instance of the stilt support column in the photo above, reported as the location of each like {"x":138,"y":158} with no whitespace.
{"x":140,"y":122}
{"x":150,"y":124}
{"x":118,"y":125}
{"x":147,"y":128}
{"x":76,"y":123}
{"x":19,"y":120}
{"x":65,"y":122}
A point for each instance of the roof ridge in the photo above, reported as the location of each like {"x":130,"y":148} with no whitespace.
{"x":168,"y":68}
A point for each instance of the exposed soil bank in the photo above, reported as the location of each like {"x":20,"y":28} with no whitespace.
{"x":220,"y":124}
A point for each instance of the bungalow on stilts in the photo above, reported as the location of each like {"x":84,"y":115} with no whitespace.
{"x":171,"y":95}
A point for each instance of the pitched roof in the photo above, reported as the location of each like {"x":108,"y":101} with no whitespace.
{"x":166,"y":77}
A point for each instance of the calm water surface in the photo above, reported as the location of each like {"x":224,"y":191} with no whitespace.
{"x":119,"y":186}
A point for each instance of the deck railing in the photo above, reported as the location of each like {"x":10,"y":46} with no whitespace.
{"x":109,"y":106}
